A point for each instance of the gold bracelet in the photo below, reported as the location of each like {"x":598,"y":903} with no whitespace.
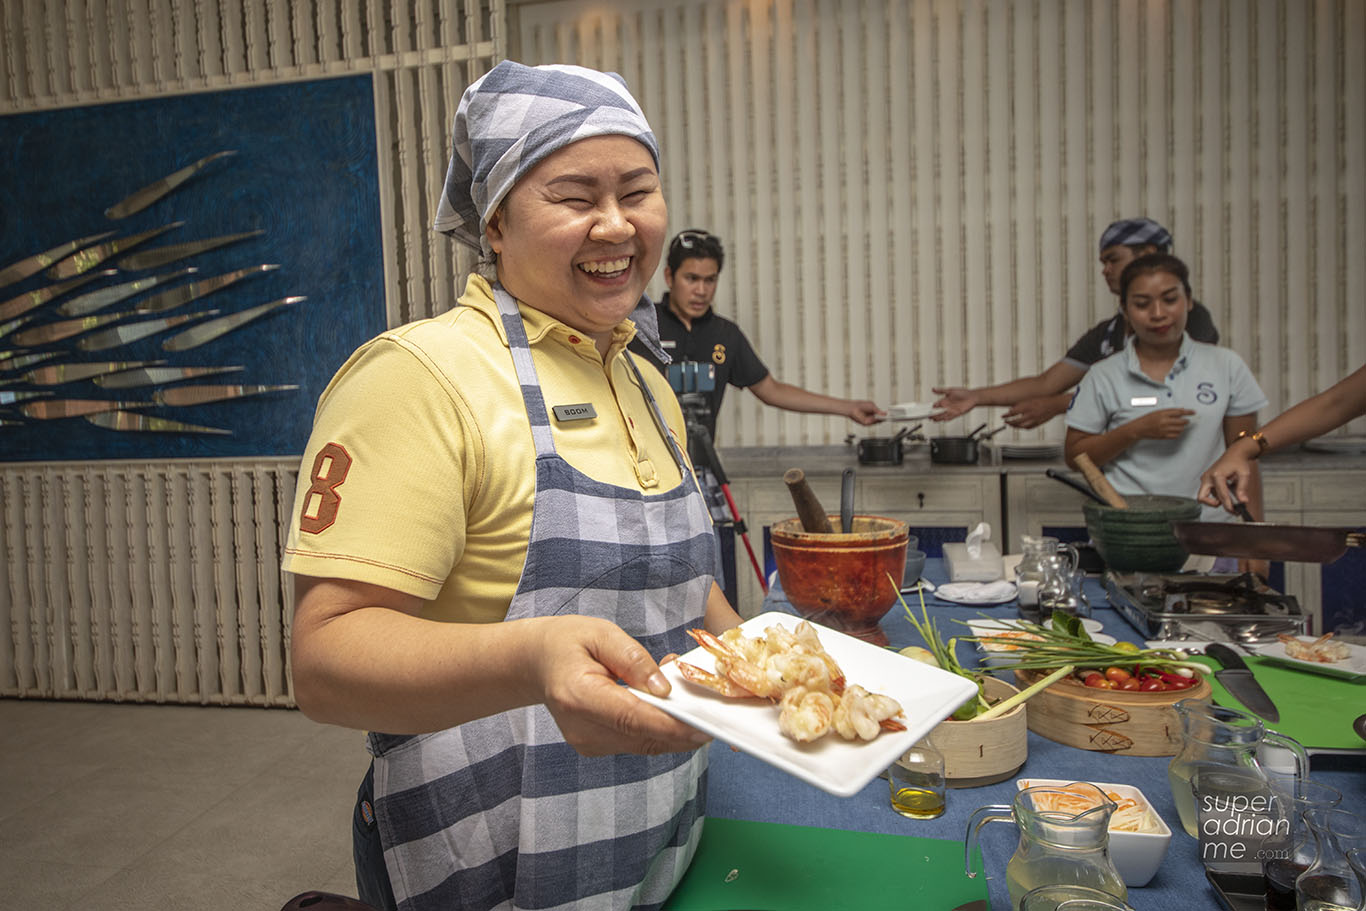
{"x":1256,"y":437}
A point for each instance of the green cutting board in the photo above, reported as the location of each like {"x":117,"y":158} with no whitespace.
{"x":1317,"y":710}
{"x":765,"y":866}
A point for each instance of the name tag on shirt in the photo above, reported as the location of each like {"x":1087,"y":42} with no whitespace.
{"x":581,"y":412}
{"x":667,"y":343}
{"x":1143,"y":401}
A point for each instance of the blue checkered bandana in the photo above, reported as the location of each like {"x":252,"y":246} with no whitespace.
{"x":513,"y":117}
{"x":1136,"y":232}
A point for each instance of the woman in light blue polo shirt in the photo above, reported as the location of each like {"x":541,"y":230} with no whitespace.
{"x":1157,"y":413}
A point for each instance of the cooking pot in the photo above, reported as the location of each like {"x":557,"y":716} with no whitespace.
{"x":883,"y":450}
{"x":959,"y":450}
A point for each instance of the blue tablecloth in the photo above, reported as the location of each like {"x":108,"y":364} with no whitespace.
{"x":742,"y":787}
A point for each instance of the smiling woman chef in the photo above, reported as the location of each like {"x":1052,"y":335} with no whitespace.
{"x":495,"y":523}
{"x":1157,"y":413}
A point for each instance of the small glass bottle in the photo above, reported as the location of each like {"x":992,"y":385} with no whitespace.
{"x":917,"y":782}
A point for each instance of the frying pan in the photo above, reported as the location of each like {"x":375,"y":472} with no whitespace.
{"x":1267,"y":541}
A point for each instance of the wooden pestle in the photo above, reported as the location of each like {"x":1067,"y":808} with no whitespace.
{"x":809,"y":509}
{"x":1098,"y":482}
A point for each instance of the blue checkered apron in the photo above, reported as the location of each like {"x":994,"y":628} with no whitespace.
{"x":501,"y":812}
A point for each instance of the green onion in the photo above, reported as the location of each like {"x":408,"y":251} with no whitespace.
{"x":1065,"y":641}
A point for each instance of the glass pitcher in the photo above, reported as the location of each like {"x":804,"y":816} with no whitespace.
{"x":1298,"y":849}
{"x":1330,"y":883}
{"x":1037,"y":556}
{"x":1356,"y":859}
{"x":1062,"y":590}
{"x":1214,"y":737}
{"x":1056,"y":846}
{"x":1071,"y":898}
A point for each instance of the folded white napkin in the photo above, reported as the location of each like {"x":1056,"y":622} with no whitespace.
{"x":978,"y":592}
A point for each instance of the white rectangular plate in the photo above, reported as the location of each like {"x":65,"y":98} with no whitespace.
{"x":833,"y":764}
{"x":1353,"y":667}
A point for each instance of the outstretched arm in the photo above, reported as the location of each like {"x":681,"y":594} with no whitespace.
{"x":1057,"y":379}
{"x":795,"y":398}
{"x":363,"y":658}
{"x":1163,"y":424}
{"x":1318,"y":414}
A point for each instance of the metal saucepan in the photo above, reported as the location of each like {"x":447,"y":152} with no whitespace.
{"x":1267,"y":541}
{"x":884,"y":450}
{"x":960,"y":450}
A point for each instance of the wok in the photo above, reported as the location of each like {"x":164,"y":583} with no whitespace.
{"x":1267,"y":541}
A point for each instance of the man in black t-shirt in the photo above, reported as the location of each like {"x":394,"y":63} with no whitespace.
{"x":691,"y":332}
{"x":709,"y":353}
{"x":1036,"y":399}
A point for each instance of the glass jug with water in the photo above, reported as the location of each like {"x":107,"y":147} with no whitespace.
{"x":1042,"y":558}
{"x":1215,"y":740}
{"x":1064,"y":838}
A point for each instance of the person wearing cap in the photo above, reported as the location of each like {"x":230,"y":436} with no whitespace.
{"x":1159,"y":411}
{"x":1033,"y":400}
{"x":691,"y":331}
{"x":496,"y":524}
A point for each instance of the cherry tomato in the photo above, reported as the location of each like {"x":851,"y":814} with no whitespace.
{"x":1151,"y":685}
{"x":1180,"y":684}
{"x":1117,"y":674}
{"x":1129,"y":684}
{"x":1098,"y":681}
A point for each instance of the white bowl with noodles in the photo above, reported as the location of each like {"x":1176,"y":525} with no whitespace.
{"x":1136,"y":852}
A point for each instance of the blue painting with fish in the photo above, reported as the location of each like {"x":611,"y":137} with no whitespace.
{"x":180,"y":277}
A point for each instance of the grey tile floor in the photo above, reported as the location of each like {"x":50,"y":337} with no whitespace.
{"x":108,"y":807}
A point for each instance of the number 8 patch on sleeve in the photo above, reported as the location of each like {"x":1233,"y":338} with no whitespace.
{"x":322,"y":501}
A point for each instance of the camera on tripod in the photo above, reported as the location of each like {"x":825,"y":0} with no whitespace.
{"x":691,"y":381}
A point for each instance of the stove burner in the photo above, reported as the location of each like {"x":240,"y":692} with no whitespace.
{"x":1177,"y":605}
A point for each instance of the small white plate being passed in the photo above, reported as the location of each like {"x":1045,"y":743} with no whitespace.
{"x":910,"y":411}
{"x":833,"y":764}
{"x":1353,"y":667}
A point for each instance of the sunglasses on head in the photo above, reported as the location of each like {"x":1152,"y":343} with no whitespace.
{"x":689,"y":239}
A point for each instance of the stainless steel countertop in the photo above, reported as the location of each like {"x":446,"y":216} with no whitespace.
{"x":819,"y":461}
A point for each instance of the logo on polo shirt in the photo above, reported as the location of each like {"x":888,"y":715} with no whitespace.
{"x":718,"y":354}
{"x":1205,"y":394}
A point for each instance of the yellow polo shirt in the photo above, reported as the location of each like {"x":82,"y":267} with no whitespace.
{"x":419,"y":474}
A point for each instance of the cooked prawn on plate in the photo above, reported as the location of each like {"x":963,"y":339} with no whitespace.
{"x":792,"y":669}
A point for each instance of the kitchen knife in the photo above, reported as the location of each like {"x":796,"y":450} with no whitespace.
{"x":1237,"y":678}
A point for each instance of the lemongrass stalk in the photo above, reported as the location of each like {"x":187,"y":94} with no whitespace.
{"x":1004,"y":706}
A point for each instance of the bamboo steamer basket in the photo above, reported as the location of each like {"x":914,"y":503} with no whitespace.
{"x":1122,"y":722}
{"x":979,"y":753}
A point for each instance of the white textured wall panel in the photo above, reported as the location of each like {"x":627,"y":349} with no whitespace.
{"x":911,"y":190}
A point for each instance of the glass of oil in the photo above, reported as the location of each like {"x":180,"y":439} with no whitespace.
{"x":917,"y":782}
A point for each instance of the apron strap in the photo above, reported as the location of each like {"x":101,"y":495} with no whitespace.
{"x":526,"y":372}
